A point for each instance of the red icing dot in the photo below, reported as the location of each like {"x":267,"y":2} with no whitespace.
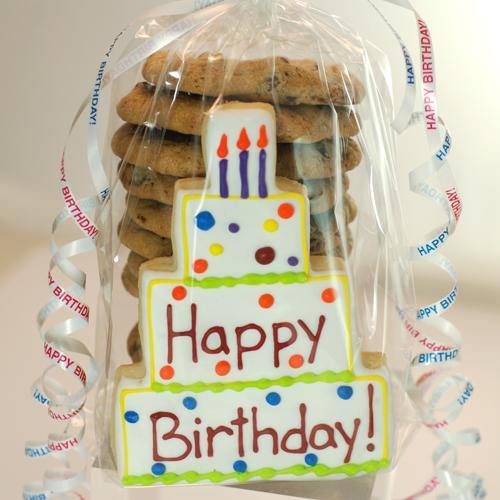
{"x":286,"y":210}
{"x":222,"y":368}
{"x":167,"y":372}
{"x":200,"y":266}
{"x":265,"y":255}
{"x":266,"y":301}
{"x":179,"y":293}
{"x":370,"y":446}
{"x":329,"y":295}
{"x":296,"y":361}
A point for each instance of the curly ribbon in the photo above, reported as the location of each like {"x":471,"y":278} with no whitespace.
{"x":60,"y":346}
{"x":435,"y":354}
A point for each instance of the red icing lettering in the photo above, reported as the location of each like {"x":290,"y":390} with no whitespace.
{"x":201,"y":442}
{"x":171,"y":334}
{"x":280,"y":345}
{"x":299,"y":431}
{"x":239,"y":422}
{"x":330,"y":438}
{"x":314,"y":338}
{"x":349,"y":440}
{"x":267,"y":431}
{"x":239,"y":341}
{"x":222,"y":346}
{"x":211,"y":433}
{"x":170,"y":435}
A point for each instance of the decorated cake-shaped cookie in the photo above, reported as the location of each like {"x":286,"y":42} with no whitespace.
{"x":249,"y":369}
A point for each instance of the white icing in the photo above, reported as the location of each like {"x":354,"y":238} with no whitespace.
{"x":215,"y":307}
{"x":233,"y":307}
{"x":239,"y":259}
{"x":230,"y":121}
{"x":219,"y":409}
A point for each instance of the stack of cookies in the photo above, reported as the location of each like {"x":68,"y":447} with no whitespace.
{"x":160,"y":142}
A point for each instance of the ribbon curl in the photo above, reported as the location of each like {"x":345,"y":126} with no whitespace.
{"x":438,"y":356}
{"x":60,"y":346}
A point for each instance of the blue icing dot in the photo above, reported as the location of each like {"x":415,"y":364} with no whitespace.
{"x":293,"y":261}
{"x":205,"y":221}
{"x":158,"y":469}
{"x":311,"y":459}
{"x":190,"y":403}
{"x":345,"y":392}
{"x":240,"y":466}
{"x":273,"y":398}
{"x":233,"y":227}
{"x":132,"y":417}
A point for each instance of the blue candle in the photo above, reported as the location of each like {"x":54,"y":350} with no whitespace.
{"x":262,"y":143}
{"x":222,"y":153}
{"x":243,"y":144}
{"x":262,"y":174}
{"x":244,"y":173}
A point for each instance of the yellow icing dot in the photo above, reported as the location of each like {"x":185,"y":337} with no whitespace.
{"x":216,"y":249}
{"x":271,"y":225}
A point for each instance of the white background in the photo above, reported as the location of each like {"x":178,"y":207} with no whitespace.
{"x":50,"y":52}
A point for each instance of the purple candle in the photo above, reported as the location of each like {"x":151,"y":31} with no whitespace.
{"x":243,"y":144}
{"x":262,"y":143}
{"x":222,"y":152}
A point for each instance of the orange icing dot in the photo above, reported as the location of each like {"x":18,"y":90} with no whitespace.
{"x":266,"y":300}
{"x":329,"y":295}
{"x":286,"y":210}
{"x":222,"y":368}
{"x":296,"y":361}
{"x":179,"y":293}
{"x":200,"y":265}
{"x":167,"y":372}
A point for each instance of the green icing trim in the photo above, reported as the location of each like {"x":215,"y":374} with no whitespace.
{"x":318,"y":470}
{"x":287,"y":278}
{"x":263,"y":383}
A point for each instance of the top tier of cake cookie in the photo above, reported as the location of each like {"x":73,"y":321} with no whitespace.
{"x":242,"y":222}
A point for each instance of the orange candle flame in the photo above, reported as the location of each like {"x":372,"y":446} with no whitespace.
{"x":222,"y":150}
{"x":263,"y":141}
{"x":243,"y":142}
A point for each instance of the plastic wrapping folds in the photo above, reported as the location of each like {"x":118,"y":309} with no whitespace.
{"x":250,"y":240}
{"x":257,"y":258}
